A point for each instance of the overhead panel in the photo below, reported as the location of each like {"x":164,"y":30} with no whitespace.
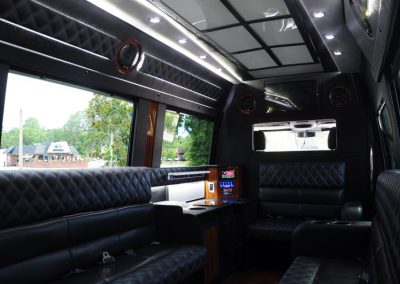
{"x":279,"y":32}
{"x":203,"y":15}
{"x":290,"y":55}
{"x":259,"y":9}
{"x":258,"y":34}
{"x":234,"y":39}
{"x":255,"y":59}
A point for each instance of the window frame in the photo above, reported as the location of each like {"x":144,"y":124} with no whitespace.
{"x":289,"y":129}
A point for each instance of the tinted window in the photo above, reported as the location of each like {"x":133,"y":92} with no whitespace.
{"x":186,"y":141}
{"x":287,"y":136}
{"x":62,"y":126}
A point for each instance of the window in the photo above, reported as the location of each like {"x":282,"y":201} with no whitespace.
{"x":385,"y":126}
{"x":62,"y":126}
{"x":310,"y":135}
{"x":186,"y":140}
{"x":363,"y":10}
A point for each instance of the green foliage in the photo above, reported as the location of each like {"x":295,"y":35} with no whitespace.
{"x":101,"y":131}
{"x":110,"y":122}
{"x":192,"y":136}
{"x":200,"y":132}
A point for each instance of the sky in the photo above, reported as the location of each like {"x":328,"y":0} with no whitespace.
{"x":50,"y":103}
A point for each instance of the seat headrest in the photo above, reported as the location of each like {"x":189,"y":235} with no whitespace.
{"x":332,"y":139}
{"x":259,"y":141}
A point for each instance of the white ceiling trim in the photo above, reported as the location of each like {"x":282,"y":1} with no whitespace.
{"x":114,"y":7}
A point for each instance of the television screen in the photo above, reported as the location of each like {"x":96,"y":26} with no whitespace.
{"x":228,"y":174}
{"x":291,"y":96}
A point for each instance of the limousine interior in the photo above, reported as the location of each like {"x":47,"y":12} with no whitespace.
{"x":200,"y":141}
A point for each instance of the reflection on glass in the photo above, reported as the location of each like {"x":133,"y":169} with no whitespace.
{"x":364,"y":9}
{"x":186,"y":140}
{"x":202,"y":14}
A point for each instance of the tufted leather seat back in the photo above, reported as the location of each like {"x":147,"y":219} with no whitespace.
{"x":73,"y":216}
{"x":29,"y":196}
{"x":384,"y":264}
{"x":294,"y":190}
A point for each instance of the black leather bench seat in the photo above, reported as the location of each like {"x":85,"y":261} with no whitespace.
{"x":56,"y":225}
{"x":312,"y":270}
{"x":290,"y":193}
{"x":273,"y":229}
{"x":155,"y":263}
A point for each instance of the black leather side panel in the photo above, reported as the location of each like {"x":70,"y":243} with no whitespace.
{"x":31,"y":196}
{"x":385,"y":247}
{"x":323,"y":175}
{"x":302,"y":195}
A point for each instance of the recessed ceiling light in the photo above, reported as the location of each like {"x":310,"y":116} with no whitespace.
{"x":337,"y":52}
{"x":318,"y":14}
{"x":155,"y":20}
{"x":182,"y":41}
{"x":203,"y":56}
{"x":329,"y":36}
{"x":219,"y":69}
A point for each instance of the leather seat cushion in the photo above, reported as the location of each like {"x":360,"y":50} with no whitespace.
{"x":311,"y":270}
{"x":279,"y":229}
{"x":155,"y":263}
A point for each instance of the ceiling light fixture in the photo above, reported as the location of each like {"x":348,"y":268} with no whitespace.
{"x":219,"y":69}
{"x":124,"y":15}
{"x":337,"y":52}
{"x":318,"y":14}
{"x":182,"y":41}
{"x":329,"y":36}
{"x":203,"y":56}
{"x":154,"y":20}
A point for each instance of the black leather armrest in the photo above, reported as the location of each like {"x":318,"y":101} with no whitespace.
{"x":174,"y":226}
{"x":331,"y":239}
{"x":352,"y":211}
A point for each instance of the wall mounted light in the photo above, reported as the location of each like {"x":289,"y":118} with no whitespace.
{"x":318,"y":14}
{"x":329,"y":36}
{"x":154,"y":20}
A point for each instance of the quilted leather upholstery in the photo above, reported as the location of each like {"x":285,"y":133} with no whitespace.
{"x":384,"y":264}
{"x":310,"y":270}
{"x":179,"y":265}
{"x":302,"y":271}
{"x":296,"y":191}
{"x":30,"y":196}
{"x":323,"y":175}
{"x":92,"y":212}
{"x":163,"y":70}
{"x":51,"y":23}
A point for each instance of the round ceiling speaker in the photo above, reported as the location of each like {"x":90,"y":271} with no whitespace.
{"x":339,"y":96}
{"x":247,"y":103}
{"x":128,"y":56}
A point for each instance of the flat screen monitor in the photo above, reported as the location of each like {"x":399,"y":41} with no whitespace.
{"x":292,"y":96}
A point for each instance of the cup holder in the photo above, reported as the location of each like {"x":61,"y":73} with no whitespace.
{"x":341,"y":223}
{"x":197,"y":208}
